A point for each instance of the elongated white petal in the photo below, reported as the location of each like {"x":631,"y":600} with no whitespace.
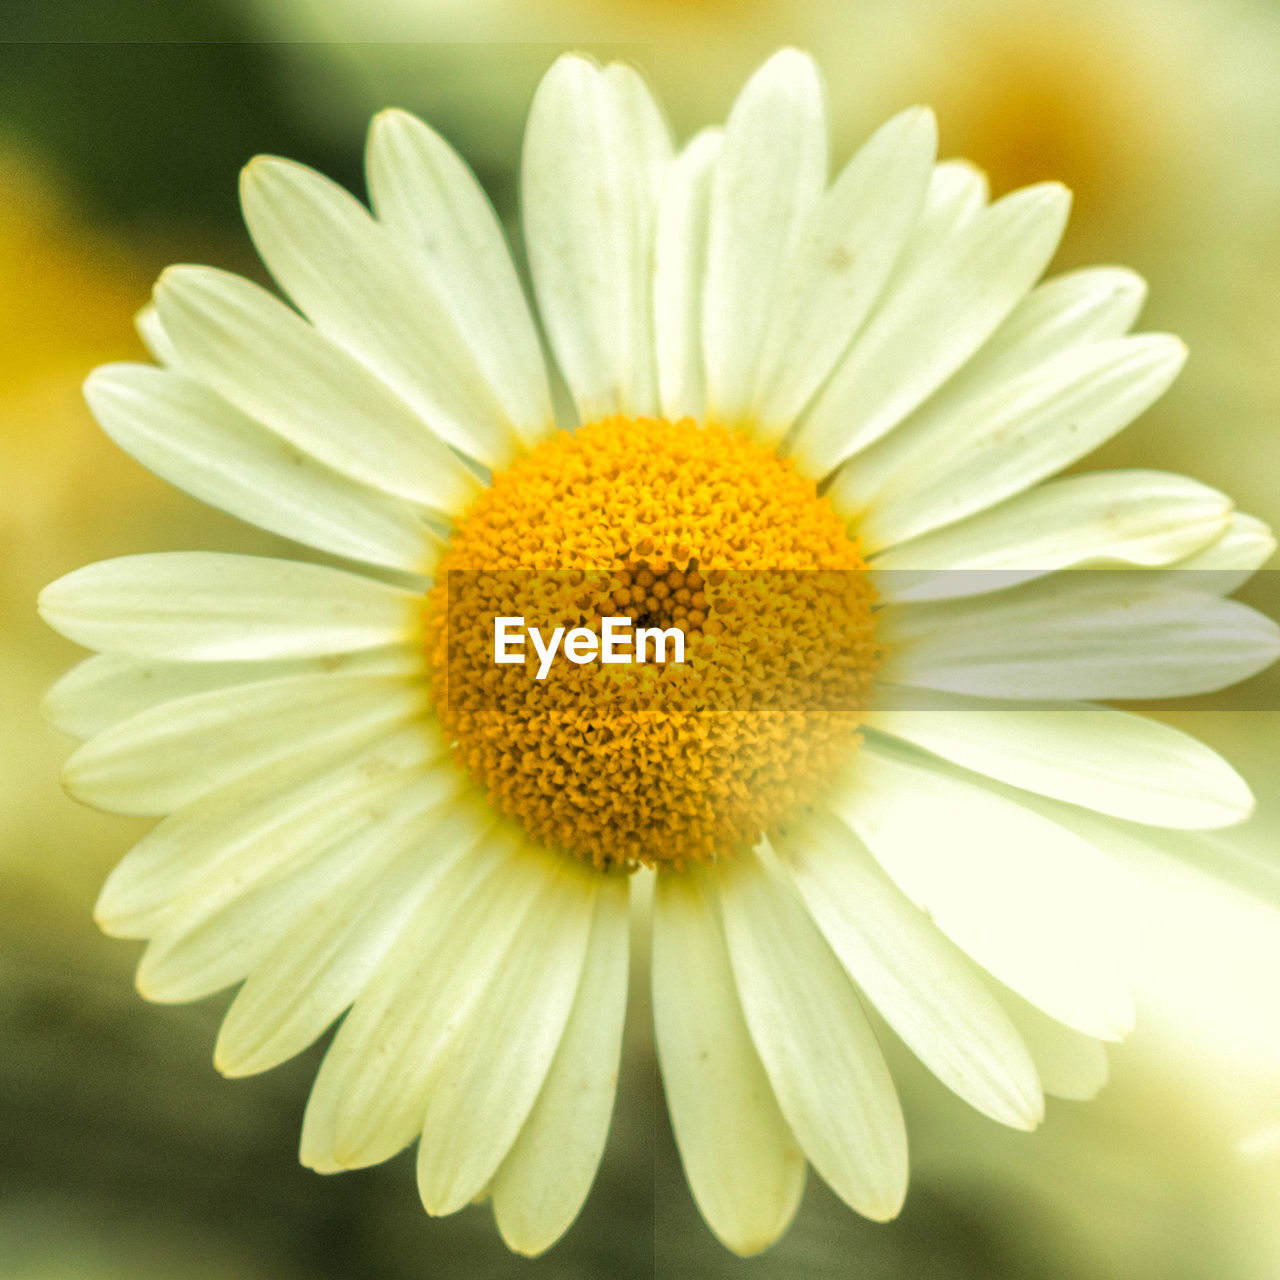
{"x":813,"y":1037}
{"x":1018,"y":434}
{"x":207,"y":606}
{"x":545,"y":1178}
{"x":744,"y":1166}
{"x":767,"y":182}
{"x":1070,"y":1065}
{"x":319,"y":963}
{"x":154,"y":338}
{"x":917,"y":979}
{"x":1092,"y":635}
{"x":1071,"y":310}
{"x":1140,"y":518}
{"x":370,"y":1096}
{"x":279,"y":370}
{"x":486,"y":1079}
{"x":377,"y":299}
{"x":595,"y":154}
{"x":932,"y":319}
{"x":220,"y":933}
{"x":1032,"y":903}
{"x":1116,"y":763}
{"x":680,"y":264}
{"x":845,"y":251}
{"x":193,"y":438}
{"x":166,"y":757}
{"x":284,"y":809}
{"x":1227,"y":564}
{"x":106,"y":689}
{"x":431,"y":204}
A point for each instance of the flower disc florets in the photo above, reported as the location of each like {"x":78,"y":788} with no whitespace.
{"x":669,"y":526}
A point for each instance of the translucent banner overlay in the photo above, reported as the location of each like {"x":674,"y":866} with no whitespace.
{"x":610,"y":641}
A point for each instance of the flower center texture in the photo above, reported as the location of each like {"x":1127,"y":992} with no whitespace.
{"x":677,"y":528}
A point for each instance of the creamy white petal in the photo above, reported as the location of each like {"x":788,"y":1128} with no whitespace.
{"x":1071,"y":1065}
{"x":1124,"y":765}
{"x":680,"y":264}
{"x":378,"y":299}
{"x":931,"y":320}
{"x":485,"y":1081}
{"x":744,"y":1167}
{"x":1076,"y":309}
{"x":1227,"y":564}
{"x":320,"y":962}
{"x":166,"y":757}
{"x":208,"y":606}
{"x":190,"y":436}
{"x":1032,"y":903}
{"x":595,"y":154}
{"x":1140,"y":518}
{"x":371,"y":1093}
{"x":276,"y":813}
{"x":919,"y":981}
{"x":271,"y":364}
{"x":544,"y":1179}
{"x":814,"y":1040}
{"x":430,"y":202}
{"x":767,"y":183}
{"x":845,"y":251}
{"x":1093,"y":634}
{"x":154,"y":338}
{"x":1018,"y":434}
{"x":104,"y":690}
{"x":219,"y":933}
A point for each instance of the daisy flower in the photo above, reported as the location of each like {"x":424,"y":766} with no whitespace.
{"x":813,"y":427}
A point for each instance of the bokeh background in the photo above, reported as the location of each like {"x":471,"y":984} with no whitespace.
{"x":122,"y":128}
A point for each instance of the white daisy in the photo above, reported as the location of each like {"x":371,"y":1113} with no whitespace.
{"x":773,"y":373}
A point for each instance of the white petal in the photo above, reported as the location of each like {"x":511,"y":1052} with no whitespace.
{"x":680,"y":264}
{"x":744,"y":1166}
{"x":207,"y":606}
{"x":271,"y":364}
{"x":595,"y":154}
{"x":193,"y":438}
{"x":321,"y":961}
{"x":931,"y":320}
{"x":151,"y":331}
{"x":919,"y":981}
{"x":1227,"y":564}
{"x":371,"y":1093}
{"x":845,"y":252}
{"x":767,"y":182}
{"x":431,"y":204}
{"x":104,"y":690}
{"x":277,"y":812}
{"x":1079,"y":308}
{"x":1141,"y":518}
{"x":486,"y":1079}
{"x":545,"y":1178}
{"x":1029,"y":901}
{"x":1116,"y":763}
{"x":378,"y":300}
{"x":1070,"y":1065}
{"x":166,"y":757}
{"x":218,"y":933}
{"x":1018,"y":434}
{"x":813,"y":1037}
{"x":1093,"y":634}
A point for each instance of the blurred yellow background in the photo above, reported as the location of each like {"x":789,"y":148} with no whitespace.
{"x":129,"y":1157}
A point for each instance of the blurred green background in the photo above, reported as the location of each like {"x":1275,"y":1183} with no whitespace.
{"x":122,"y":129}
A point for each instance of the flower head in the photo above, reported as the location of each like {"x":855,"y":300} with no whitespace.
{"x":815,"y":428}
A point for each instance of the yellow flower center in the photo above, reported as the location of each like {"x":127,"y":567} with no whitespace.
{"x":666,"y":525}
